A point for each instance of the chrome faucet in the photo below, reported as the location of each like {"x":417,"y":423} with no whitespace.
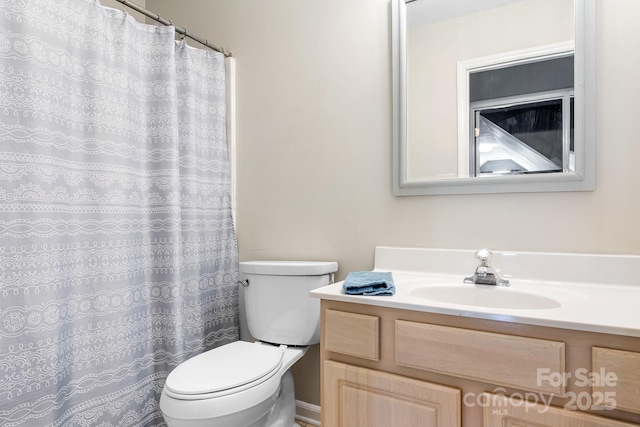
{"x":485,"y":274}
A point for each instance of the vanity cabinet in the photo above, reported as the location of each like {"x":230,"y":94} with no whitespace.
{"x":383,"y":366}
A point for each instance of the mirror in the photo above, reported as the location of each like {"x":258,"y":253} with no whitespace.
{"x":493,"y":96}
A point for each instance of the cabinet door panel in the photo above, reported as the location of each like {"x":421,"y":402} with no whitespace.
{"x":502,"y":411}
{"x":625,"y":385}
{"x":354,"y":396}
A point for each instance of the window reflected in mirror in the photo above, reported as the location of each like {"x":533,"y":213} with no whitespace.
{"x":521,"y":118}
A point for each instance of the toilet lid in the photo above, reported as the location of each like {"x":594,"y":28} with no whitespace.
{"x":223,"y":368}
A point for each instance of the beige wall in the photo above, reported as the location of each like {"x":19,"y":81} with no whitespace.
{"x":314,"y":144}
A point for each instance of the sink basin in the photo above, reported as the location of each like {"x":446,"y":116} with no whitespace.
{"x":485,"y":296}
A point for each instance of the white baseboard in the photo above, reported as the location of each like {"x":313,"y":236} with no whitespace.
{"x":308,"y":413}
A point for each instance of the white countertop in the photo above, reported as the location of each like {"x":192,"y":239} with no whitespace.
{"x":611,"y":308}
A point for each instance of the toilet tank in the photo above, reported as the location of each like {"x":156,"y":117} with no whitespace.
{"x":278,"y":307}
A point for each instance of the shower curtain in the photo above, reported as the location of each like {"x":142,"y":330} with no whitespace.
{"x":118,"y":256}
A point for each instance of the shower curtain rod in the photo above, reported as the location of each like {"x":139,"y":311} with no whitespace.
{"x":179,"y":30}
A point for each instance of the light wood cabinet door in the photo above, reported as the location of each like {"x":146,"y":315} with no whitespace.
{"x":502,"y":411}
{"x":354,"y":397}
{"x":618,"y":374}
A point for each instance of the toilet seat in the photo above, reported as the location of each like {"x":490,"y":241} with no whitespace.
{"x":248,"y":401}
{"x":224,"y":370}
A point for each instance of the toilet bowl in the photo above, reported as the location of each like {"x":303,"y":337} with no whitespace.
{"x":244,"y":384}
{"x":243,"y":393}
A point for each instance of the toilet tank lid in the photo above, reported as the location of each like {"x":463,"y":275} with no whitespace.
{"x":288,"y":268}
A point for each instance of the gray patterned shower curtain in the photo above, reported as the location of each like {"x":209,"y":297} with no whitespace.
{"x":118,"y":256}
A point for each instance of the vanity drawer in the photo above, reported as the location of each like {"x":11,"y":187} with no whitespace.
{"x":352,"y":334}
{"x":625,"y":389}
{"x":506,"y":360}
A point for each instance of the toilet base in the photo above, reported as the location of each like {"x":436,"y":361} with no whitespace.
{"x":284,"y":411}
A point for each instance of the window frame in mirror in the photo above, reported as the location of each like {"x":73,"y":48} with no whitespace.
{"x":582,"y":179}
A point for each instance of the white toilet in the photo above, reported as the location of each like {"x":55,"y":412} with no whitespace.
{"x":245,"y":384}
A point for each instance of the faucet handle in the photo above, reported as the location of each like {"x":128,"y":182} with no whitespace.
{"x":484,"y":255}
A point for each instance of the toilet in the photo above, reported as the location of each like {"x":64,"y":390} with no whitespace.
{"x":249,"y":384}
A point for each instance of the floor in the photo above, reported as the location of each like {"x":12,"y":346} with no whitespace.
{"x":300,"y":423}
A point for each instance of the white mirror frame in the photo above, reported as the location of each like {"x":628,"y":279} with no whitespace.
{"x":582,"y":179}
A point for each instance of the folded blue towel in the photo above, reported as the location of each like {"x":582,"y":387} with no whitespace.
{"x":369,"y":283}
